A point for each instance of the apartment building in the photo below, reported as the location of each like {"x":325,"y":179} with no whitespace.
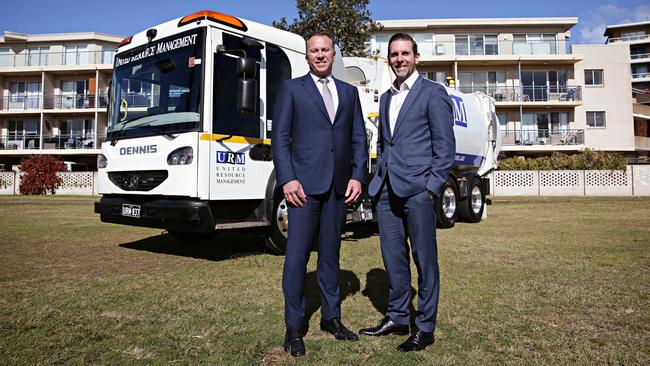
{"x":636,"y":37}
{"x":53,"y":90}
{"x":548,"y":95}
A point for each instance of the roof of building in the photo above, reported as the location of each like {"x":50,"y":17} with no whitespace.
{"x":14,"y":37}
{"x":565,"y":22}
{"x":610,"y":28}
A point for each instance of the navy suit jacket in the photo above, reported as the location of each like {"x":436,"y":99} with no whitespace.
{"x":308,"y":147}
{"x":421,"y":151}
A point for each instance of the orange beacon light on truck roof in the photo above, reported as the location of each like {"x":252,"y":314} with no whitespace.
{"x":224,"y":19}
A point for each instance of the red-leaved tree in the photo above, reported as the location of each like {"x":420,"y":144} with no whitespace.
{"x":40,"y":174}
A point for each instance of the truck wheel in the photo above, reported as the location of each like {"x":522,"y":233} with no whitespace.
{"x":277,"y":241}
{"x":471,"y":208}
{"x":447,"y":203}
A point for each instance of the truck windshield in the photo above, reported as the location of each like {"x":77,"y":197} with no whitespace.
{"x":156,"y":88}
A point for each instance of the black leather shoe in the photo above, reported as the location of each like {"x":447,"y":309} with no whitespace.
{"x":336,"y":328}
{"x":385,"y":327}
{"x":418,"y":341}
{"x":293,"y":343}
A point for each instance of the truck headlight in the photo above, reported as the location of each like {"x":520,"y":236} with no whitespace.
{"x":102,"y":162}
{"x":181,"y":156}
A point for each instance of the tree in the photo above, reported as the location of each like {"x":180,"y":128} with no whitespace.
{"x":348,"y":21}
{"x":40,"y":174}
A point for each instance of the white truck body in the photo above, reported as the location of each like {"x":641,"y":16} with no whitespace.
{"x":181,"y":155}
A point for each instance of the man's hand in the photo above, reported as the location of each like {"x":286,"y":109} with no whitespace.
{"x":294,"y":194}
{"x":353,"y":192}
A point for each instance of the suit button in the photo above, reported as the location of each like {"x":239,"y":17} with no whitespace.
{"x":331,"y":150}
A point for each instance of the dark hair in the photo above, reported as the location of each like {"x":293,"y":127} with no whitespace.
{"x":319,"y":34}
{"x":403,"y":37}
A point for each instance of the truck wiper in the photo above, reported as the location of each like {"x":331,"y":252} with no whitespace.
{"x":120,"y":133}
{"x":160,"y":129}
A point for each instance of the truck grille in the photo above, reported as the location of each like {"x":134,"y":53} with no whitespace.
{"x":145,"y":180}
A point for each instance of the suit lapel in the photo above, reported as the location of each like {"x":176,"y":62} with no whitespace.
{"x":312,"y":90}
{"x":408,"y":102}
{"x":385,"y":115}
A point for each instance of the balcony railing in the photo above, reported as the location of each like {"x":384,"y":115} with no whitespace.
{"x":57,"y":59}
{"x":60,"y":101}
{"x":561,"y":93}
{"x":452,"y":48}
{"x":21,"y":102}
{"x":640,"y":56}
{"x":629,"y":39}
{"x":530,"y":137}
{"x":30,"y":141}
{"x":641,"y":75}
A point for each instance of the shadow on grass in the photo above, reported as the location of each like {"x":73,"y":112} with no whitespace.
{"x":348,"y":285}
{"x":360,"y":230}
{"x":377,"y":292}
{"x":221,"y":247}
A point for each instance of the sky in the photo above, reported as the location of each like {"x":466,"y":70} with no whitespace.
{"x":125,"y":17}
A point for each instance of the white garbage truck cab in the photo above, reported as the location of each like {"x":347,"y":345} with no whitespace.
{"x":190,"y":117}
{"x":188,"y":145}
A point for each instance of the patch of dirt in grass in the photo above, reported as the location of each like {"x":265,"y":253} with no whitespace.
{"x":276,"y":356}
{"x":139,"y":353}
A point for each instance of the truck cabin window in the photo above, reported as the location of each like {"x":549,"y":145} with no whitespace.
{"x":226,"y":119}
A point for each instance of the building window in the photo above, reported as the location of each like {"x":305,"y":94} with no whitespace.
{"x":633,"y":35}
{"x":5,"y":57}
{"x":38,"y":56}
{"x":503,"y":122}
{"x":534,"y":44}
{"x":477,"y":44}
{"x":490,"y":82}
{"x":594,"y":77}
{"x":596,"y":119}
{"x":108,"y":53}
{"x":76,"y":54}
{"x":24,"y":95}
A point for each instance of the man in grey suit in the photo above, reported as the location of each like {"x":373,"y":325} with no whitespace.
{"x":416,"y":150}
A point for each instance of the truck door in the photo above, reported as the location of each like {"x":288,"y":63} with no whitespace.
{"x":235,"y":173}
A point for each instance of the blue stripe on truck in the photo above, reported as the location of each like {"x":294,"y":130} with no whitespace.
{"x":468,"y":160}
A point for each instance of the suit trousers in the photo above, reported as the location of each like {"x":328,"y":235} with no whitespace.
{"x":321,"y":219}
{"x":413,"y":217}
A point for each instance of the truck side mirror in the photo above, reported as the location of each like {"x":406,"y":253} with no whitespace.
{"x":247,"y":85}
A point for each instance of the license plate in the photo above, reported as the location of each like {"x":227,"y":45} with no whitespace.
{"x":131,"y":210}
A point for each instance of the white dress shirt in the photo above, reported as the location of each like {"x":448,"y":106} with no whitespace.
{"x":330,"y":85}
{"x":398,"y":97}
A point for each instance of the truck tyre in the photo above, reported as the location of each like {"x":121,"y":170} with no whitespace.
{"x":447,"y":204}
{"x":276,"y":242}
{"x":471,"y":208}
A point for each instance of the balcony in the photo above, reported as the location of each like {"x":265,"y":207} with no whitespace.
{"x":57,"y":59}
{"x":525,"y":94}
{"x":430,"y":48}
{"x":631,"y":39}
{"x":641,"y":76}
{"x":56,"y":142}
{"x":20,"y":102}
{"x":542,"y":137}
{"x":640,"y":57}
{"x":54,"y":102}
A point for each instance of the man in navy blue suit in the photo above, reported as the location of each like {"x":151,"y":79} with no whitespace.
{"x":416,"y":150}
{"x":320,"y":155}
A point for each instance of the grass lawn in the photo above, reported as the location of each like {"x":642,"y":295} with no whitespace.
{"x":557,"y":281}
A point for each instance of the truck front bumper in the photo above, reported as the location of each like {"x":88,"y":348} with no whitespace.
{"x":182,"y":214}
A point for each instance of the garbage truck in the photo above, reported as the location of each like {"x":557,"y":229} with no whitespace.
{"x":188,"y":144}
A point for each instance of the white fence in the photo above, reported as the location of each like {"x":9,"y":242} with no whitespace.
{"x":633,"y":181}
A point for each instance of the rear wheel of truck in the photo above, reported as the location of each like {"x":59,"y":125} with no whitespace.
{"x":447,"y":204}
{"x":276,"y":242}
{"x":471,"y":208}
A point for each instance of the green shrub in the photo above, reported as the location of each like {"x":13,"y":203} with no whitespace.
{"x":585,"y":160}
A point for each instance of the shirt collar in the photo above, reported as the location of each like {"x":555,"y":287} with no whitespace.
{"x":406,"y":85}
{"x":316,"y":77}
